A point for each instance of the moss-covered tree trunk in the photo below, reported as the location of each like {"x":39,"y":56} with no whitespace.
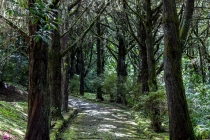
{"x":121,"y":71}
{"x":65,"y":74}
{"x":99,"y":59}
{"x":122,"y":51}
{"x":38,"y":96}
{"x":143,"y":70}
{"x":55,"y":73}
{"x":82,"y":72}
{"x":150,"y":47}
{"x":72,"y":64}
{"x":152,"y":82}
{"x":180,"y":126}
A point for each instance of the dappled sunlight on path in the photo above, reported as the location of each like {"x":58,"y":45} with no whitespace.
{"x":100,"y":122}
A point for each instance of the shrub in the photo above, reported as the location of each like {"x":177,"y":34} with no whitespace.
{"x":153,"y":105}
{"x":74,"y":85}
{"x":199,"y":110}
{"x":109,"y":85}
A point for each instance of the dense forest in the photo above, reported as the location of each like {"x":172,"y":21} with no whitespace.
{"x":151,"y":56}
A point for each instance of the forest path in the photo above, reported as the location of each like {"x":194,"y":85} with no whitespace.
{"x":97,"y":121}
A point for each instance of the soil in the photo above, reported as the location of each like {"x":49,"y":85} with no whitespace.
{"x":10,"y":93}
{"x":97,"y":121}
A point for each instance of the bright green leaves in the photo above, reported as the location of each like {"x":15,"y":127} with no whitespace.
{"x":42,"y":14}
{"x":16,"y":8}
{"x":22,"y":3}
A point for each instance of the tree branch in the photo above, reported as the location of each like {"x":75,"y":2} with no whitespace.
{"x":85,"y":32}
{"x":55,"y":2}
{"x":185,"y":25}
{"x":12,"y":25}
{"x":73,"y":24}
{"x":73,"y":5}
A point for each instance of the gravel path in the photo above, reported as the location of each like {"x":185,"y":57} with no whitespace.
{"x":99,"y":122}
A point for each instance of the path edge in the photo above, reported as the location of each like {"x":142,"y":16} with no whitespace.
{"x":60,"y":124}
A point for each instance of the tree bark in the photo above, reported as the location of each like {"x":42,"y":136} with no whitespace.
{"x":55,"y":73}
{"x":179,"y":120}
{"x":65,"y":68}
{"x":151,"y":63}
{"x":143,"y":70}
{"x":150,"y":48}
{"x":72,"y":70}
{"x":99,"y":60}
{"x":39,"y":96}
{"x":82,"y":72}
{"x":121,"y":71}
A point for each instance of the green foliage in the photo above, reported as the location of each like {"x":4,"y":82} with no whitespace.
{"x":198,"y":99}
{"x":44,"y":15}
{"x":109,"y":84}
{"x":40,"y":13}
{"x":128,"y":86}
{"x":202,"y":132}
{"x":97,"y":82}
{"x":145,"y":130}
{"x":147,"y":104}
{"x":74,"y":85}
{"x":13,"y":116}
{"x":199,"y":110}
{"x":14,"y":68}
{"x":132,"y":89}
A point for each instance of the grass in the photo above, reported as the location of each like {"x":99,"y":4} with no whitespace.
{"x":13,"y":116}
{"x":145,"y":129}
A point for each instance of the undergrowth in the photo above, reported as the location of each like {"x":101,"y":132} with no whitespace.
{"x":199,"y":108}
{"x":13,"y":116}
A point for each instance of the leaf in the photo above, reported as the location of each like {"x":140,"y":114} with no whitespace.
{"x":9,"y":12}
{"x":45,"y":39}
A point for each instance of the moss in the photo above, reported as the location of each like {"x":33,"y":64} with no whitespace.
{"x":13,"y":116}
{"x":145,"y":130}
{"x":60,"y":124}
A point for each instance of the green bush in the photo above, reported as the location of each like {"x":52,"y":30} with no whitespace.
{"x":14,"y":69}
{"x":153,"y":105}
{"x":199,"y":109}
{"x":109,"y":85}
{"x":74,"y":85}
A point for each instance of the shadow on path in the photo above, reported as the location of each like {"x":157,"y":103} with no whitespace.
{"x":100,"y":122}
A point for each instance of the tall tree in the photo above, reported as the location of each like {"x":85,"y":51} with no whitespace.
{"x":55,"y":71}
{"x":121,"y":60}
{"x":150,"y":46}
{"x":39,"y":96}
{"x":99,"y":57}
{"x":65,"y":73}
{"x":179,"y":120}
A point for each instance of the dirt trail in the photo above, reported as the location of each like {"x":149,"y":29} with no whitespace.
{"x":100,"y":122}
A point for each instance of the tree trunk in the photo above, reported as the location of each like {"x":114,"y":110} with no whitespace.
{"x":121,"y":71}
{"x":99,"y":60}
{"x":39,"y":96}
{"x":78,"y":60}
{"x":72,"y":64}
{"x":143,"y":71}
{"x":150,"y":48}
{"x":179,"y":120}
{"x":201,"y":65}
{"x":152,"y":82}
{"x":55,"y":73}
{"x":82,"y":72}
{"x":65,"y":75}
